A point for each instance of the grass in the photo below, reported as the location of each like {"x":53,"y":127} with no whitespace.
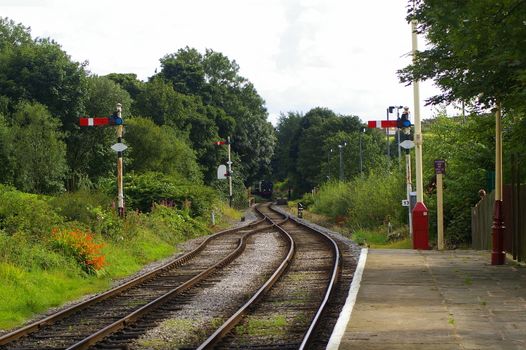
{"x":25,"y":293}
{"x":253,"y":326}
{"x":371,"y":238}
{"x":226,"y":217}
{"x":378,"y":239}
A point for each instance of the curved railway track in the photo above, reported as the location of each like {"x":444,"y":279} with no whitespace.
{"x":300,"y":276}
{"x":289,"y":314}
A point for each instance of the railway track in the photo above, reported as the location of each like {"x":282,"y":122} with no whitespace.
{"x":288,"y":315}
{"x":292,"y":278}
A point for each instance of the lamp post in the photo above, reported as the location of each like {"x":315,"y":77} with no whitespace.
{"x":341,"y":160}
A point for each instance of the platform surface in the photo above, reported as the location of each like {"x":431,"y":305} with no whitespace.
{"x":412,"y":299}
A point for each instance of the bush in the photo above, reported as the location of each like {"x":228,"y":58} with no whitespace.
{"x":81,"y":246}
{"x":26,"y":213}
{"x":80,"y":206}
{"x":333,"y":199}
{"x":144,"y":190}
{"x":375,"y":198}
{"x":366,"y":202}
{"x":174,"y":226}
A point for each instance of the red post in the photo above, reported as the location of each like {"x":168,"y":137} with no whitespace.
{"x":498,"y":256}
{"x":420,"y":227}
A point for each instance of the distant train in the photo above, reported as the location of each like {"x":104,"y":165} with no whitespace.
{"x":263,"y":189}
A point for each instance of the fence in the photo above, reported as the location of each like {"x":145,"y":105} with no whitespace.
{"x":514,"y":207}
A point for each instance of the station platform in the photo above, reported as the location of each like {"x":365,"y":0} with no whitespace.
{"x":409,"y":299}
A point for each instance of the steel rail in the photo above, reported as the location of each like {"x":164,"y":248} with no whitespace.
{"x":236,"y":317}
{"x":330,"y":287}
{"x":142,"y":311}
{"x":35,"y":326}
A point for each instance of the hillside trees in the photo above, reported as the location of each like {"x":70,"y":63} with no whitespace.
{"x":304,"y":156}
{"x":195,"y":100}
{"x":157,"y":148}
{"x":33,"y":150}
{"x":39,"y":70}
{"x":216,"y":81}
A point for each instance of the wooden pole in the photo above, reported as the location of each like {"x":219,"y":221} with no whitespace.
{"x":440,"y":212}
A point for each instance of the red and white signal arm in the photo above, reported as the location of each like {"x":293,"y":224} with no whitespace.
{"x":219,"y":143}
{"x":94,"y":121}
{"x":382,"y":124}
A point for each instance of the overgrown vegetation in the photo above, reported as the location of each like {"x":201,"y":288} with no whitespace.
{"x":54,"y":249}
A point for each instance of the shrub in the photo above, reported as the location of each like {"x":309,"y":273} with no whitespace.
{"x":365,"y":201}
{"x":376,"y":197}
{"x":81,"y":246}
{"x":333,"y":199}
{"x":144,"y":190}
{"x":79,"y":206}
{"x":174,"y":226}
{"x":26,"y":213}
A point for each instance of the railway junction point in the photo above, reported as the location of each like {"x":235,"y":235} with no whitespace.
{"x":410,"y":299}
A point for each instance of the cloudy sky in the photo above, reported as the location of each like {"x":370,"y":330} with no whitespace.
{"x":300,"y":54}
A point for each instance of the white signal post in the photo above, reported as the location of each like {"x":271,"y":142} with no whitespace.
{"x":229,"y":174}
{"x":417,"y":123}
{"x":407,"y":145}
{"x":119,"y":147}
{"x":120,"y":187}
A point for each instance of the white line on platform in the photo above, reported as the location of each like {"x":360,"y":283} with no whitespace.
{"x":345,"y":314}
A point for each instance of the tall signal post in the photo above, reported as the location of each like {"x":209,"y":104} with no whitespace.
{"x":114,"y":120}
{"x":420,"y":212}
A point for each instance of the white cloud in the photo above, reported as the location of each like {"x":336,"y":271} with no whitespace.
{"x":299,"y":54}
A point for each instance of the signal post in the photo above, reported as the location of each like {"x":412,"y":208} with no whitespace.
{"x":114,"y":120}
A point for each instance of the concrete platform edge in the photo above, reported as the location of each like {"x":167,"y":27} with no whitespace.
{"x":345,"y":314}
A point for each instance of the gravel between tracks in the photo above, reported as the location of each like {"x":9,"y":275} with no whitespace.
{"x":195,"y":320}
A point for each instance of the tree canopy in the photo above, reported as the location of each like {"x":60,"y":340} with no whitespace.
{"x":195,"y":100}
{"x":476,"y":52}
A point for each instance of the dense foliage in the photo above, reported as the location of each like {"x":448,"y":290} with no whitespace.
{"x":477,"y":50}
{"x":195,"y":100}
{"x":308,"y":149}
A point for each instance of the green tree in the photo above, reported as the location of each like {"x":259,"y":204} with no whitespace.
{"x":159,"y":149}
{"x":286,"y":154}
{"x":468,"y":151}
{"x":128,"y":82}
{"x":317,"y":126}
{"x":102,"y":96}
{"x":39,"y":70}
{"x":184,"y":69}
{"x":37,"y":152}
{"x":476,"y":50}
{"x":215,"y":80}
